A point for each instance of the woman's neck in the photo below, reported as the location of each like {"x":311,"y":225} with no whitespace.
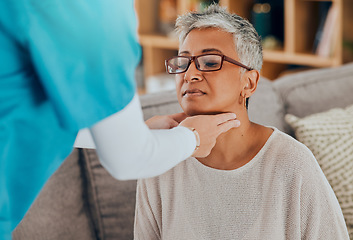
{"x":238,"y":146}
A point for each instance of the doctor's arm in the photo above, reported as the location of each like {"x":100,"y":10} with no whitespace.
{"x":128,"y":149}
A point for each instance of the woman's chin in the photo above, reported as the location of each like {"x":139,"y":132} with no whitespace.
{"x":194,"y":112}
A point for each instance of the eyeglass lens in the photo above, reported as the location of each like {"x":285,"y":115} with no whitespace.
{"x":209,"y":62}
{"x":203,"y":63}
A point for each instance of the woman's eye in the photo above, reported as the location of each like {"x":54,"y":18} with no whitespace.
{"x":211,"y":64}
{"x":182,"y":66}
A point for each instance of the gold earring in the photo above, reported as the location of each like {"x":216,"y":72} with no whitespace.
{"x":244,"y":101}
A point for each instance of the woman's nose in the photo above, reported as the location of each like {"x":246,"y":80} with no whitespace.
{"x":192,"y":74}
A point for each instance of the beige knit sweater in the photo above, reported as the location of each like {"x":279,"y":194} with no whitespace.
{"x":280,"y":194}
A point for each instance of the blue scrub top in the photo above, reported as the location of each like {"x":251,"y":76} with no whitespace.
{"x":64,"y":65}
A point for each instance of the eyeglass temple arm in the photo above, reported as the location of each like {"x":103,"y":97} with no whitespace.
{"x":237,"y":63}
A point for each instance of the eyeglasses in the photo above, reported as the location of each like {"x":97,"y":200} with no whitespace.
{"x":204,"y":63}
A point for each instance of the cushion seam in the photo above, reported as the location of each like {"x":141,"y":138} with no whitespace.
{"x":94,"y":198}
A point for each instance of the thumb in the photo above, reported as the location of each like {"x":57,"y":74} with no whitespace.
{"x":178,"y":117}
{"x":173,"y":123}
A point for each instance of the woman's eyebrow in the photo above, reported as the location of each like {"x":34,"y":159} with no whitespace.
{"x":211,"y":50}
{"x":184,"y":52}
{"x":203,"y":51}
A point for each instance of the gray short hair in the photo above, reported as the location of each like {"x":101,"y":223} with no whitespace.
{"x":247,"y":40}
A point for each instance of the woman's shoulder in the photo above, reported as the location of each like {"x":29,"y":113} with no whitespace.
{"x":291,"y":159}
{"x":288,"y":144}
{"x":285,"y":148}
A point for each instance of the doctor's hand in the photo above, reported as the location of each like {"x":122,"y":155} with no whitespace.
{"x":165,"y":121}
{"x":209,"y":127}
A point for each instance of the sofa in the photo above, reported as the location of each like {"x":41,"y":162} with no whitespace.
{"x":81,"y":201}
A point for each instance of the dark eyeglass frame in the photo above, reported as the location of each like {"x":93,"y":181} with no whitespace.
{"x":194,"y":59}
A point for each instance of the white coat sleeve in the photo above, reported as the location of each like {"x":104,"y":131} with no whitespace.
{"x":128,"y":149}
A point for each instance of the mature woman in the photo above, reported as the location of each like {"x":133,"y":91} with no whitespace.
{"x":257,"y":183}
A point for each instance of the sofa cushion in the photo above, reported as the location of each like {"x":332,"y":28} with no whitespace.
{"x":161,"y":103}
{"x":316,"y":91}
{"x":265,"y":106}
{"x":60,"y":210}
{"x":329,"y":135}
{"x":112,"y":202}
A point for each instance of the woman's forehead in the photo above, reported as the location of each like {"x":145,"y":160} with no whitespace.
{"x":201,"y":40}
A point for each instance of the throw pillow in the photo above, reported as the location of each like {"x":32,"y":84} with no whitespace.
{"x":329,"y":135}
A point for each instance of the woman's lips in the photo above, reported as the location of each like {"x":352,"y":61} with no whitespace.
{"x":193,"y":93}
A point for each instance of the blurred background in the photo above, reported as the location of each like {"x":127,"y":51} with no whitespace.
{"x":297,"y":35}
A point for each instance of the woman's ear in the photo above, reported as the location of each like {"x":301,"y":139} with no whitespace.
{"x":250,"y":78}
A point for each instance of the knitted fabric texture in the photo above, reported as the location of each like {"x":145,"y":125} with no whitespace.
{"x":280,"y":194}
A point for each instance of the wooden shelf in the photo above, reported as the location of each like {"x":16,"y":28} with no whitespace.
{"x":300,"y":25}
{"x":158,"y":41}
{"x":307,"y":59}
{"x":320,"y":0}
